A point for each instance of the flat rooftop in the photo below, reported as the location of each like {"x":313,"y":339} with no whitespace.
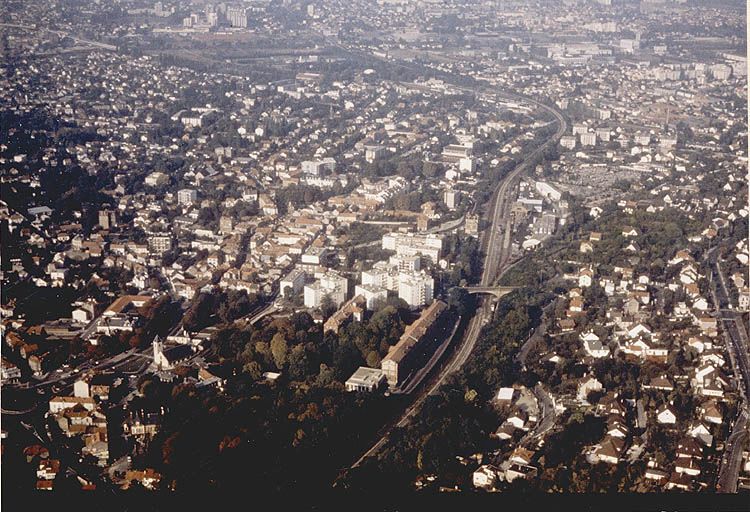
{"x":366,"y":376}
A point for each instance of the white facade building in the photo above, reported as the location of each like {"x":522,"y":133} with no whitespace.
{"x":292,"y":283}
{"x":410,"y":244}
{"x":365,"y":379}
{"x":331,"y":284}
{"x":318,"y":167}
{"x":416,"y":289}
{"x":187,"y":196}
{"x":371,"y":293}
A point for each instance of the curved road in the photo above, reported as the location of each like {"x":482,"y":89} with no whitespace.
{"x":731,"y":461}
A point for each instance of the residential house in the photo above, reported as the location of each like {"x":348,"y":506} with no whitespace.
{"x":587,"y":385}
{"x":666,"y":415}
{"x":610,"y":449}
{"x":485,"y":476}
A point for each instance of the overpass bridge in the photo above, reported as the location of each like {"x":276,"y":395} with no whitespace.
{"x":497,"y":291}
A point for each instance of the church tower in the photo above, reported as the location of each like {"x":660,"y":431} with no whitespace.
{"x":158,"y":347}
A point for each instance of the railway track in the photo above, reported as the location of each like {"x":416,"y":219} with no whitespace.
{"x":498,"y":248}
{"x":497,"y":260}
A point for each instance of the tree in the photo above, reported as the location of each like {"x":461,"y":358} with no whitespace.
{"x":460,"y":300}
{"x":327,"y":306}
{"x":253,"y":369}
{"x":199,"y":313}
{"x":373,"y":359}
{"x":325,"y":376}
{"x":298,"y":362}
{"x":279,"y":350}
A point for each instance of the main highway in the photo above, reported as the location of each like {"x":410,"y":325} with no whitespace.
{"x":731,"y":460}
{"x":87,"y":42}
{"x":737,"y":345}
{"x":497,"y":246}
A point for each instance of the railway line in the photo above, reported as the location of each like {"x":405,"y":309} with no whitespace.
{"x":497,"y":246}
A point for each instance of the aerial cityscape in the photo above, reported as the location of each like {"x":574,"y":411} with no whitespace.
{"x":422,"y":246}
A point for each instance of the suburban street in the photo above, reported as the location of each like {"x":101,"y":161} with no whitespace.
{"x":546,"y":411}
{"x":732,"y":458}
{"x":736,"y":338}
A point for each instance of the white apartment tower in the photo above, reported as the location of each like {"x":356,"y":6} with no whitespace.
{"x":331,"y":284}
{"x":416,"y":289}
{"x":187,"y":196}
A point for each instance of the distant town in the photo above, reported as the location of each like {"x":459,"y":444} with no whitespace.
{"x":430,"y":246}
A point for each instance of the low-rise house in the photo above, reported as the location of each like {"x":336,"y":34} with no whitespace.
{"x":9,"y":372}
{"x":576,"y":306}
{"x":48,"y":469}
{"x":654,"y":472}
{"x":661,"y":383}
{"x":60,"y":403}
{"x":505,"y":396}
{"x":366,"y":379}
{"x":688,"y":466}
{"x":35,"y":450}
{"x":518,"y":419}
{"x":616,"y":427}
{"x":610,"y":450}
{"x":593,"y":346}
{"x":585,"y":277}
{"x":148,"y":478}
{"x":485,"y":476}
{"x":505,"y":431}
{"x":699,"y":431}
{"x":610,"y":405}
{"x":521,"y":456}
{"x":142,"y":425}
{"x":666,"y":415}
{"x":566,"y":324}
{"x":516,"y":470}
{"x":586,"y":386}
{"x":45,"y":485}
{"x":679,"y":481}
{"x":353,"y":309}
{"x":208,"y":379}
{"x":711,"y":413}
{"x":96,"y":445}
{"x":688,"y":448}
{"x":645,"y":349}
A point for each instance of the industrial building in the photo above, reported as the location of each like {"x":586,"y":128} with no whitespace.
{"x":416,"y":344}
{"x":365,"y":379}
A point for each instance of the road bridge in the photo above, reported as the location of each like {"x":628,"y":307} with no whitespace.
{"x":497,"y":291}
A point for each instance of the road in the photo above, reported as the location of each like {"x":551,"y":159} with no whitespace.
{"x":537,"y":335}
{"x":445,"y":226}
{"x":732,"y":459}
{"x":96,"y":44}
{"x":734,"y":327}
{"x":736,"y":339}
{"x":498,"y":253}
{"x":641,"y":421}
{"x":547,"y":415}
{"x":254,"y":318}
{"x":735,"y":332}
